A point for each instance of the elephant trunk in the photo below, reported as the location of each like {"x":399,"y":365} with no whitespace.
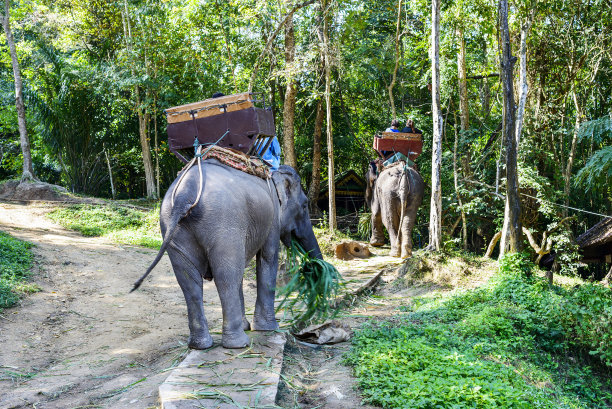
{"x":305,"y":236}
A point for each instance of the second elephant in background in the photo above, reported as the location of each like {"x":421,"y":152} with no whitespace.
{"x":394,"y":195}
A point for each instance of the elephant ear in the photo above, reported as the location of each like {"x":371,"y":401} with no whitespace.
{"x":282,"y":182}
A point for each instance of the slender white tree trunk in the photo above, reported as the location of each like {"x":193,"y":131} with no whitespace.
{"x":523,"y":85}
{"x":331,"y":186}
{"x":24,"y":140}
{"x":435,"y":215}
{"x":511,"y":234}
{"x":572,"y":153}
{"x":110,"y":172}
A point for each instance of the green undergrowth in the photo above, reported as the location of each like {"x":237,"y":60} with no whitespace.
{"x":15,"y":265}
{"x":515,"y":342}
{"x":120,"y":224}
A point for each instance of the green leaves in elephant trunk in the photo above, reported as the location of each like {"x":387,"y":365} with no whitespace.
{"x":316,"y":283}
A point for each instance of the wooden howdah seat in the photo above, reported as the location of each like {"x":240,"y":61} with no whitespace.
{"x":248,"y":122}
{"x":409,"y":144}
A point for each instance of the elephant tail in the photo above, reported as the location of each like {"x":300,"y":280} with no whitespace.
{"x":175,"y":224}
{"x":169,"y":236}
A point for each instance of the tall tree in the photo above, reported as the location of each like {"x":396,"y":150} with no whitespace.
{"x":523,"y":85}
{"x":435,"y":215}
{"x":315,"y":180}
{"x":397,"y":58}
{"x":27,"y":170}
{"x":511,"y":234}
{"x":290,"y":93}
{"x":323,"y":32}
{"x":141,"y":108}
{"x":465,"y":124}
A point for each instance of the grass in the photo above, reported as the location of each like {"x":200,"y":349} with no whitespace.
{"x":514,"y":343}
{"x":120,"y":224}
{"x":15,"y":267}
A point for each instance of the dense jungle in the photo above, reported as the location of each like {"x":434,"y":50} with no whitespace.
{"x":503,"y":300}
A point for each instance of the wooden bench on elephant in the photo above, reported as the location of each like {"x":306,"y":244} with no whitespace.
{"x":246,"y":122}
{"x":409,"y":144}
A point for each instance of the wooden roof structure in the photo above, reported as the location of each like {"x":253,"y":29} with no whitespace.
{"x":350,"y":191}
{"x":596,"y":243}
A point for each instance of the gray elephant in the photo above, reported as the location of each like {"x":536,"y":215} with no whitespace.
{"x":394,"y":195}
{"x":237,"y":217}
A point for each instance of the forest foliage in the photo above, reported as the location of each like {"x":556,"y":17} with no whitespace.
{"x":98,"y":75}
{"x":514,"y":343}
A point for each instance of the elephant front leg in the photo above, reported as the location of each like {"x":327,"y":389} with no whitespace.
{"x":264,"y":318}
{"x":378,"y":236}
{"x":190,"y":281}
{"x":245,"y":323}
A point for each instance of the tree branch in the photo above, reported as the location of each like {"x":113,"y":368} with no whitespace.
{"x":271,"y":39}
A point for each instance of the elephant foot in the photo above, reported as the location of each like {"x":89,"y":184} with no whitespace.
{"x":201,"y":342}
{"x":394,"y":253}
{"x":235,"y":340}
{"x":377,"y":243}
{"x":406,"y":254}
{"x":265,"y":325}
{"x":246,"y":325}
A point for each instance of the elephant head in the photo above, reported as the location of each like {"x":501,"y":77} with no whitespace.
{"x":294,"y":215}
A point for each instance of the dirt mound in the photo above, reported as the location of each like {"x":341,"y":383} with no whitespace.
{"x":38,"y":191}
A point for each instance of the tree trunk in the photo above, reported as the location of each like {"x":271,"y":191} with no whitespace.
{"x":27,"y":170}
{"x":315,"y":180}
{"x":462,"y":73}
{"x":456,"y":180}
{"x":492,"y":244}
{"x":323,"y":38}
{"x":110,"y":172}
{"x":290,"y":93}
{"x":143,"y":130}
{"x":511,"y":235}
{"x":570,"y":160}
{"x":435,"y":215}
{"x":397,"y":58}
{"x":156,"y":151}
{"x":523,"y":86}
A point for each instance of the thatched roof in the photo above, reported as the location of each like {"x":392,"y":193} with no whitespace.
{"x":596,"y":236}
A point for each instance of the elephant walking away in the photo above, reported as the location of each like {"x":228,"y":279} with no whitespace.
{"x":238,"y":216}
{"x":394,"y":195}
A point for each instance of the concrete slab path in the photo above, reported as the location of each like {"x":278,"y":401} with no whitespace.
{"x":225,"y":378}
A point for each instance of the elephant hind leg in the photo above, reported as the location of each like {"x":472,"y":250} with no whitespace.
{"x":406,"y":229}
{"x":391,"y":220}
{"x":228,"y":271}
{"x":190,"y":281}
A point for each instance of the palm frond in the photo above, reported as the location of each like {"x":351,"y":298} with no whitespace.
{"x":316,"y":284}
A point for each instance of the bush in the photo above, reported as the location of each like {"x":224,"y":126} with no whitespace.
{"x":516,"y":342}
{"x":15,"y":265}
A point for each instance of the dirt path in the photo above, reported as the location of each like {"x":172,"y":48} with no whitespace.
{"x":83,"y":340}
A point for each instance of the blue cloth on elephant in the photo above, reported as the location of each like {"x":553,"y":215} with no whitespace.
{"x":272,"y":155}
{"x":398,"y":156}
